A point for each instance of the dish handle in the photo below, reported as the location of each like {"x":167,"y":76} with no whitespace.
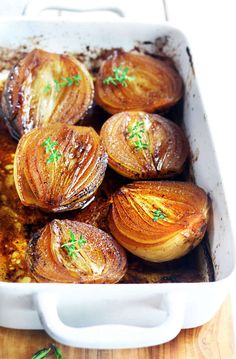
{"x":122,"y":8}
{"x":35,"y":7}
{"x":111,"y":336}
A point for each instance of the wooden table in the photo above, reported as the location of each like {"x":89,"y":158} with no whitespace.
{"x":214,"y":340}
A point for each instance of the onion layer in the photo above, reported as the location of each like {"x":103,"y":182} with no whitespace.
{"x":159,"y":221}
{"x":144,"y":146}
{"x":155,"y":84}
{"x":97,"y":258}
{"x":59,"y":168}
{"x":42,"y":89}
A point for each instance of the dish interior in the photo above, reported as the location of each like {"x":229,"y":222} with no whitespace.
{"x":211,"y":259}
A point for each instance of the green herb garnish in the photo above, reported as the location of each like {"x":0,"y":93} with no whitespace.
{"x":139,"y":145}
{"x":49,"y":148}
{"x":135,"y":133}
{"x":65,"y":82}
{"x":74,"y":245}
{"x":42,"y":353}
{"x":47,"y":88}
{"x":120,"y":76}
{"x":158,"y":214}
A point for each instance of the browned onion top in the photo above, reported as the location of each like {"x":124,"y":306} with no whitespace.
{"x":69,"y":182}
{"x":99,"y":260}
{"x":164,"y":154}
{"x":132,"y":221}
{"x":27,"y":105}
{"x":157,"y":85}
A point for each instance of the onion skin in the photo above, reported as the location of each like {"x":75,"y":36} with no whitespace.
{"x":68,"y":183}
{"x":157,"y":85}
{"x":131,"y":219}
{"x":165,"y":155}
{"x":26,"y":104}
{"x":100,"y":260}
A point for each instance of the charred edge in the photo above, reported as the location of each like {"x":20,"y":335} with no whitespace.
{"x":158,"y":44}
{"x":11,"y":128}
{"x":2,"y":116}
{"x":156,"y":51}
{"x":190,"y":59}
{"x":161,"y":43}
{"x":207,"y":255}
{"x":147,"y":43}
{"x":31,"y":228}
{"x":169,"y":279}
{"x":32,"y":250}
{"x":9,"y":109}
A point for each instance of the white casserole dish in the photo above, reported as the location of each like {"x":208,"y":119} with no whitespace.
{"x":125,"y":315}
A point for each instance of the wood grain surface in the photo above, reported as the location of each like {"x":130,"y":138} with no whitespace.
{"x":214,"y":340}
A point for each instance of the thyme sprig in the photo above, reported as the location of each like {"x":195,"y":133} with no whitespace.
{"x":120,"y":76}
{"x":65,"y":82}
{"x":135,"y":133}
{"x":47,"y":88}
{"x":42,"y":353}
{"x":49,"y":148}
{"x":158,"y":214}
{"x":74,"y":245}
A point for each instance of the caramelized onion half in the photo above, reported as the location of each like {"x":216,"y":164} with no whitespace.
{"x":32,"y":99}
{"x":155,"y":84}
{"x":62,"y":180}
{"x":144,"y":146}
{"x":159,"y":221}
{"x":98,"y":259}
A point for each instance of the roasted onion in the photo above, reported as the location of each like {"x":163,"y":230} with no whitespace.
{"x":159,"y":221}
{"x":75,"y":252}
{"x":144,"y":146}
{"x":44,"y":88}
{"x":128,"y":81}
{"x":60,"y":167}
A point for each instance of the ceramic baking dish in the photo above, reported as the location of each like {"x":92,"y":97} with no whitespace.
{"x":125,"y":315}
